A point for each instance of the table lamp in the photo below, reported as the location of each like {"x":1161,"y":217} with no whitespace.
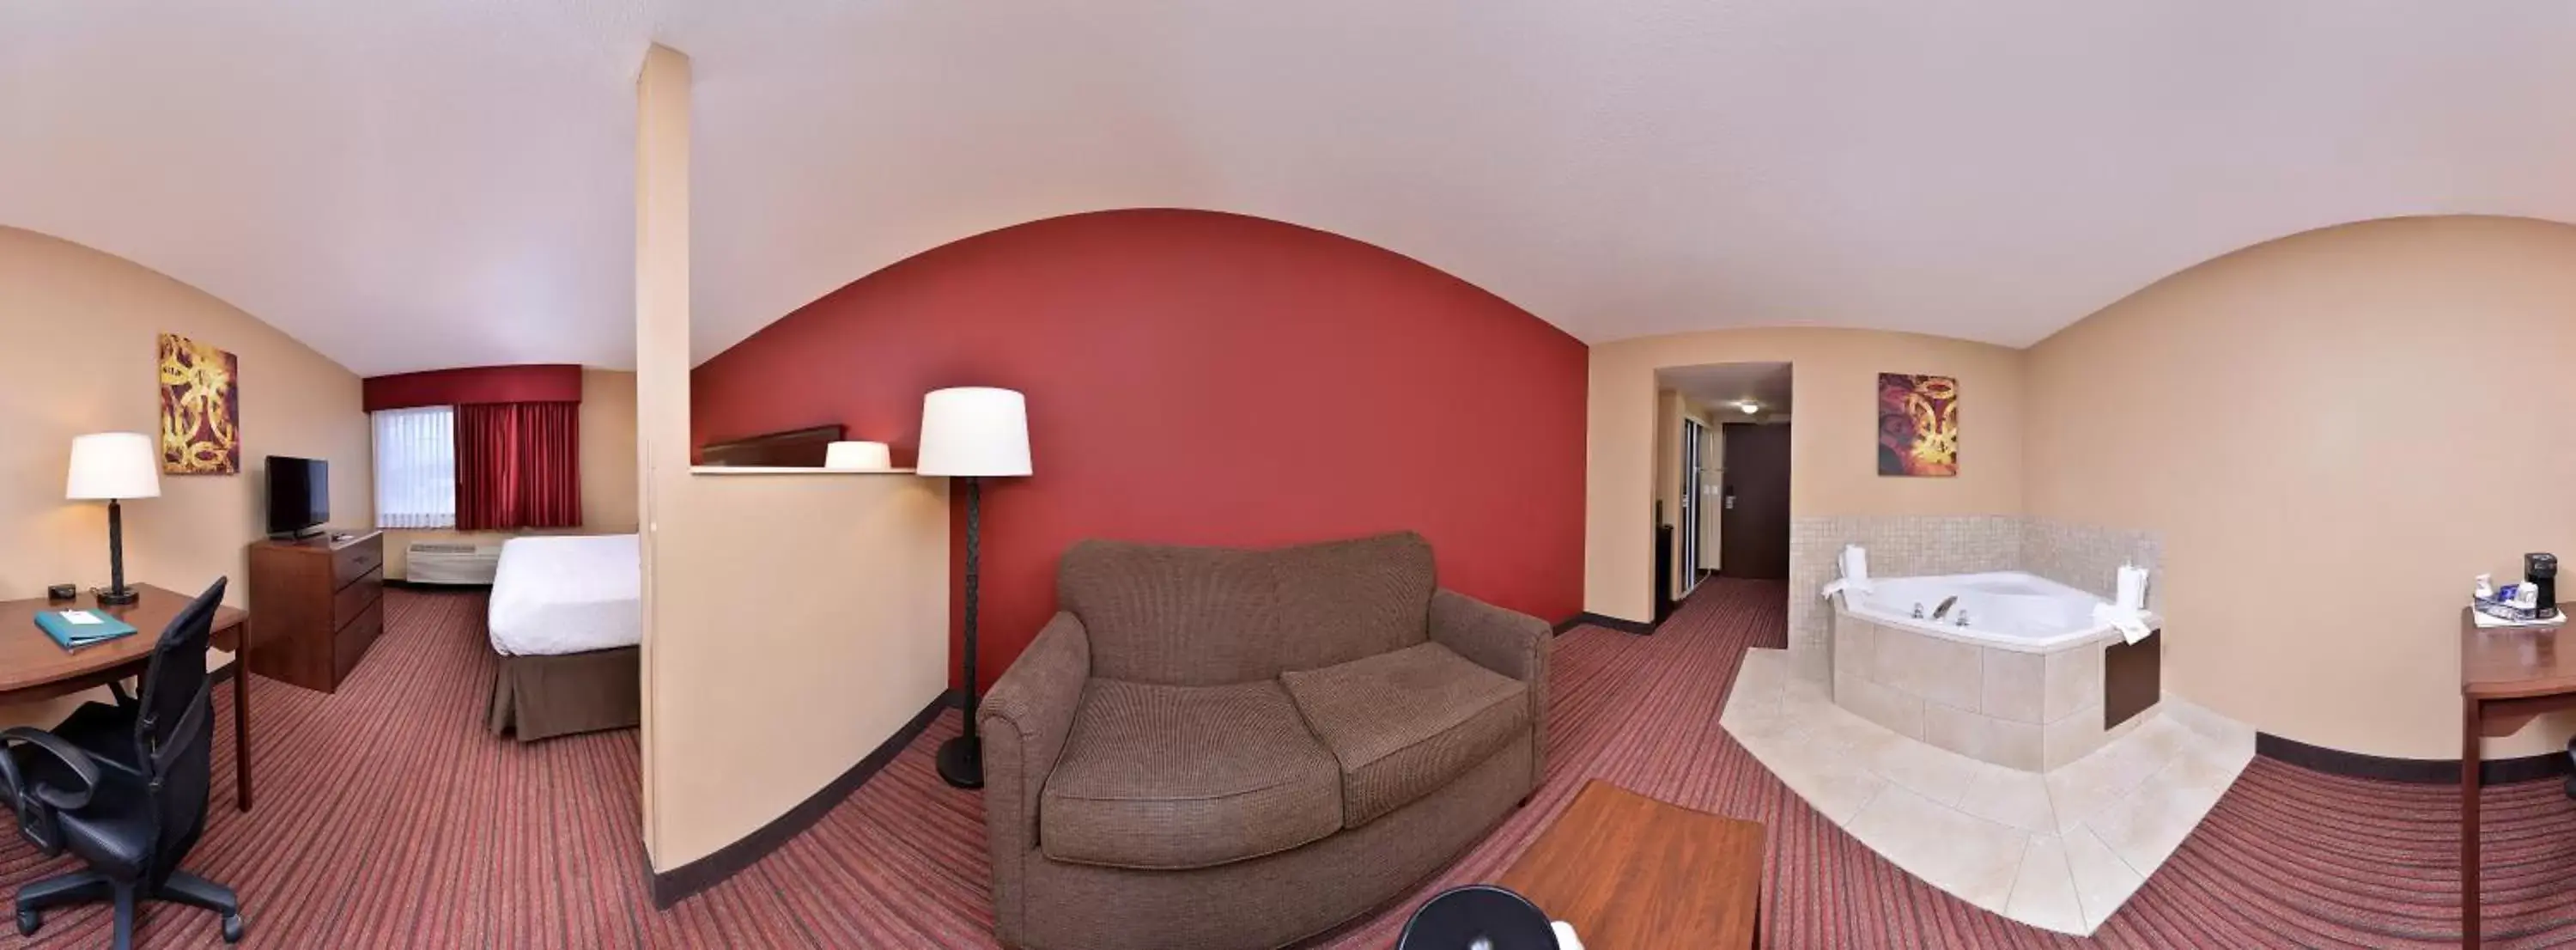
{"x":110,"y":467}
{"x":972,"y":433}
{"x":857,"y":457}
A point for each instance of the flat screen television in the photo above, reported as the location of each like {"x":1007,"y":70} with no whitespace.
{"x":299,"y":495}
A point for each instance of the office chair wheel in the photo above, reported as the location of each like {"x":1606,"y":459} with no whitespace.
{"x":232,"y":928}
{"x":28,"y":921}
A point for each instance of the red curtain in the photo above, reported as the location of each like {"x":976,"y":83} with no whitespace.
{"x":518,"y":465}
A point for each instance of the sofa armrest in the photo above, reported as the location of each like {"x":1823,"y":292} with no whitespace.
{"x":1509,"y":642}
{"x":1029,"y":713}
{"x":1505,"y":641}
{"x":1024,"y":721}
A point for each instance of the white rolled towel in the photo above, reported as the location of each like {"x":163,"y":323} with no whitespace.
{"x":2131,"y":624}
{"x":2132,"y":588}
{"x":1854,"y":565}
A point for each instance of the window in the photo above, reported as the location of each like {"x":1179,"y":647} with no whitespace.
{"x":416,"y":467}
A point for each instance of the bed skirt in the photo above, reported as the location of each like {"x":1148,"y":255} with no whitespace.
{"x":540,"y":697}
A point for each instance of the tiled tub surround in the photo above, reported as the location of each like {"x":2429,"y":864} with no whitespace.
{"x":1898,"y":546}
{"x":2084,"y":557}
{"x":2060,"y":851}
{"x":2021,"y":703}
{"x":2088,"y":558}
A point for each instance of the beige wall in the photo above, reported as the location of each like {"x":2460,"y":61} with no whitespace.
{"x":607,"y":472}
{"x":1833,"y":447}
{"x":80,"y":356}
{"x":2332,"y":432}
{"x":759,"y":702}
{"x":754,"y":701}
{"x":608,"y":480}
{"x":78,"y":353}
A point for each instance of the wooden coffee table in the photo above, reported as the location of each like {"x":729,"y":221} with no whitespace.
{"x":1633,"y":873}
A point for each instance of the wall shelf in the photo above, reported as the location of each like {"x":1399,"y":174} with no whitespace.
{"x":778,"y":470}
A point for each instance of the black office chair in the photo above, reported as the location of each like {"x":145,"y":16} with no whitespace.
{"x":131,"y":805}
{"x":1477,"y":917}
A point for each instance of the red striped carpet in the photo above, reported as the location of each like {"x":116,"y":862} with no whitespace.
{"x":387,"y":818}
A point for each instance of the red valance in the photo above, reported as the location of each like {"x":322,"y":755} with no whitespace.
{"x":480,"y":384}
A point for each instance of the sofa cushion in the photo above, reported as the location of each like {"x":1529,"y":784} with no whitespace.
{"x":1349,"y":600}
{"x":1169,"y":777}
{"x":1403,"y":724}
{"x":1184,"y":616}
{"x":1192,"y":616}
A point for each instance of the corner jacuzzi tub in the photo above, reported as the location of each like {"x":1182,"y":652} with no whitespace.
{"x":2019,"y":684}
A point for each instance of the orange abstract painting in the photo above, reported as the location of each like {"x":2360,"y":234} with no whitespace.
{"x":200,"y":418}
{"x":1918,"y":425}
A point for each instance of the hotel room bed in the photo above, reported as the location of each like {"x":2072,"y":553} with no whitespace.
{"x":566,"y":619}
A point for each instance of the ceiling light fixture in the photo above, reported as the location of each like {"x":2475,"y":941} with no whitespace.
{"x":1749,"y":406}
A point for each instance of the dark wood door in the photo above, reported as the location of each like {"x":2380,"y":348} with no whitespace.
{"x":1753,"y":530}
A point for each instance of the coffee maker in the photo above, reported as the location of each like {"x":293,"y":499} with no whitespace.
{"x":2541,"y":572}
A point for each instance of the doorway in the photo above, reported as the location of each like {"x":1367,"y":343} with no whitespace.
{"x":1722,"y":458}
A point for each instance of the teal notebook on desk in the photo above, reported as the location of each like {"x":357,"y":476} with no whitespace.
{"x":74,"y":629}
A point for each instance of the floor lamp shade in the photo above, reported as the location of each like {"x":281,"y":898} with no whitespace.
{"x":109,"y":466}
{"x":974,"y":430}
{"x":972,"y":433}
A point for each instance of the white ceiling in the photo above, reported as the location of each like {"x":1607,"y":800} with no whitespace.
{"x":409,"y":184}
{"x":1722,"y":387}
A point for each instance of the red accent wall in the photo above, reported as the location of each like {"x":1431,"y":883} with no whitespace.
{"x":533,"y":382}
{"x":1201,"y":378}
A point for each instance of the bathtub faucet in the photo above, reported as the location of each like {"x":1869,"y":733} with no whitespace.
{"x":1945,"y":606}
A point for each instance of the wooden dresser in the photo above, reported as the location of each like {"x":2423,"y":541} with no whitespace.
{"x":320,"y":604}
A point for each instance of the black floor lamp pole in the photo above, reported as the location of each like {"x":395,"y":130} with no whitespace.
{"x":961,"y":760}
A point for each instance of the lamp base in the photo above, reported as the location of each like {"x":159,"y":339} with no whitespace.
{"x":118,"y":597}
{"x":961,"y":762}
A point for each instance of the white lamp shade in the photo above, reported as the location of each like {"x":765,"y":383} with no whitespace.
{"x":857,"y":456}
{"x":974,"y":430}
{"x":113,"y":465}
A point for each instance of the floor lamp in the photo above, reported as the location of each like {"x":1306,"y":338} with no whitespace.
{"x":972,"y":433}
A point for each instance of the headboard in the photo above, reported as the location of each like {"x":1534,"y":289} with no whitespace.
{"x":794,"y":448}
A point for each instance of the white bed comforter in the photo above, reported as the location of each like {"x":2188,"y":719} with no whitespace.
{"x":563,"y":594}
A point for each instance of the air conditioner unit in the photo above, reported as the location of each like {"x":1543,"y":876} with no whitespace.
{"x":450,"y":562}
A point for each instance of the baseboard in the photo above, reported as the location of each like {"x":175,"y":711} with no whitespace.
{"x":408,"y":585}
{"x":1597,"y":620}
{"x":672,"y":886}
{"x":2529,"y":768}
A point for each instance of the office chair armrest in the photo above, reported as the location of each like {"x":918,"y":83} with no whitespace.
{"x":72,"y":757}
{"x":35,"y":822}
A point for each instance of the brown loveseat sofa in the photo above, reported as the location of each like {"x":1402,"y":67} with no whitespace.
{"x":1213,"y":748}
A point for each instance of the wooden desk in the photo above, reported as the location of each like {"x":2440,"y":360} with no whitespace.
{"x":1633,"y":873}
{"x":33,"y":667}
{"x":2507,"y":676}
